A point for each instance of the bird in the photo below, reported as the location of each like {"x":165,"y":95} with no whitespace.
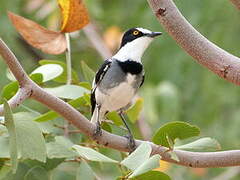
{"x":119,"y":77}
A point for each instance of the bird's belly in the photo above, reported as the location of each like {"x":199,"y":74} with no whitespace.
{"x":115,"y":98}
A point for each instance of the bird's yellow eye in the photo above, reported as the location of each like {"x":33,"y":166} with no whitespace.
{"x":135,"y":33}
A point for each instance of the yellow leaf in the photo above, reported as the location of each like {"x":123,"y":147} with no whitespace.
{"x":48,"y":41}
{"x":164,"y":166}
{"x":74,"y":15}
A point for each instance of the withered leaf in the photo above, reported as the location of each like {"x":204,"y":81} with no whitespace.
{"x":74,"y":15}
{"x":50,"y":42}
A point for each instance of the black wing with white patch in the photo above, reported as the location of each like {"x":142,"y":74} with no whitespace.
{"x":98,"y":77}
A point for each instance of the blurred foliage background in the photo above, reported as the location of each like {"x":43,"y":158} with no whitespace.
{"x":176,"y":87}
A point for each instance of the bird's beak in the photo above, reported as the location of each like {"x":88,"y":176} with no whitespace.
{"x":154,"y":34}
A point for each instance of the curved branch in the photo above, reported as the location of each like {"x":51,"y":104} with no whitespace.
{"x":236,"y":3}
{"x":200,"y":48}
{"x":191,"y":159}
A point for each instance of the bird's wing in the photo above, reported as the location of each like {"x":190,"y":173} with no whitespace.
{"x":98,"y":78}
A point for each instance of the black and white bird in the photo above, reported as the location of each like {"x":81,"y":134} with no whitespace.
{"x":119,"y":78}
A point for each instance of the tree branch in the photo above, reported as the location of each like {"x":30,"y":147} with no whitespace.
{"x":205,"y":52}
{"x":191,"y":159}
{"x":236,"y":3}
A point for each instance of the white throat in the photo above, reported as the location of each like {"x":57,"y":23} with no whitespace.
{"x":133,"y":50}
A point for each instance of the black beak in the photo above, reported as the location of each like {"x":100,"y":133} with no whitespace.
{"x":154,"y":34}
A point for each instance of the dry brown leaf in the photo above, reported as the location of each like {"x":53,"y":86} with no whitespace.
{"x":74,"y":15}
{"x":112,"y":37}
{"x":48,"y":41}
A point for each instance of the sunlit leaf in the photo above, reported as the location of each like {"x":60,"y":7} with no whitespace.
{"x":87,"y":72}
{"x":153,"y":175}
{"x":10,"y":124}
{"x":63,"y":77}
{"x":92,"y":155}
{"x":48,"y":41}
{"x":67,"y":91}
{"x":151,"y":163}
{"x":138,"y":157}
{"x":174,"y":130}
{"x":203,"y":144}
{"x":74,"y":15}
{"x":49,"y":71}
{"x":164,"y":166}
{"x":134,"y":112}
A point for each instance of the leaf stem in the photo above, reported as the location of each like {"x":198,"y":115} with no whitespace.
{"x":68,"y":59}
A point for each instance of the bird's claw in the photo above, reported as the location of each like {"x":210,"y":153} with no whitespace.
{"x":131,"y":143}
{"x":97,"y":131}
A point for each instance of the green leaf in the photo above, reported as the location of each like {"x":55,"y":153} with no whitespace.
{"x":134,"y":112}
{"x":84,"y":171}
{"x":137,"y":157}
{"x":203,"y":144}
{"x":86,"y":85}
{"x":10,"y":75}
{"x":153,"y":175}
{"x":37,"y":78}
{"x":106,"y":127}
{"x":9,"y":90}
{"x":4,"y":146}
{"x":151,"y":163}
{"x":63,"y":77}
{"x":88,"y":73}
{"x":115,"y":118}
{"x":52,"y":115}
{"x":36,"y":173}
{"x":49,"y":71}
{"x":11,"y":126}
{"x":30,"y":141}
{"x":67,"y":91}
{"x":60,"y":148}
{"x":92,"y":155}
{"x":174,"y":130}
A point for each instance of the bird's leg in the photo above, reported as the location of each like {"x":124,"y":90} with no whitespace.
{"x":98,"y":130}
{"x":131,"y":141}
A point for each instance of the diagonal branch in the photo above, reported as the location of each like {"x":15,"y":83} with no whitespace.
{"x":236,"y":3}
{"x":191,"y":159}
{"x":200,"y":48}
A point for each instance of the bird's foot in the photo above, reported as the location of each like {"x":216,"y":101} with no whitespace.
{"x":131,"y":143}
{"x":97,"y":131}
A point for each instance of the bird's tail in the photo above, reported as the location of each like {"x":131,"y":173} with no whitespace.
{"x":95,"y":115}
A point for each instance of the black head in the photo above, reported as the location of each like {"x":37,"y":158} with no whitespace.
{"x":135,"y":33}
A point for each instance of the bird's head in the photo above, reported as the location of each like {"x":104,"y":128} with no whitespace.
{"x":134,"y":43}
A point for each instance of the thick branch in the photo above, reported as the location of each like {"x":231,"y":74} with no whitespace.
{"x":205,"y":52}
{"x":192,"y":159}
{"x":236,"y":3}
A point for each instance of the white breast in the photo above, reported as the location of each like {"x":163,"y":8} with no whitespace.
{"x":117,"y":97}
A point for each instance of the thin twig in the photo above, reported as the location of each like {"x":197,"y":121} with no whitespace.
{"x":68,"y":59}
